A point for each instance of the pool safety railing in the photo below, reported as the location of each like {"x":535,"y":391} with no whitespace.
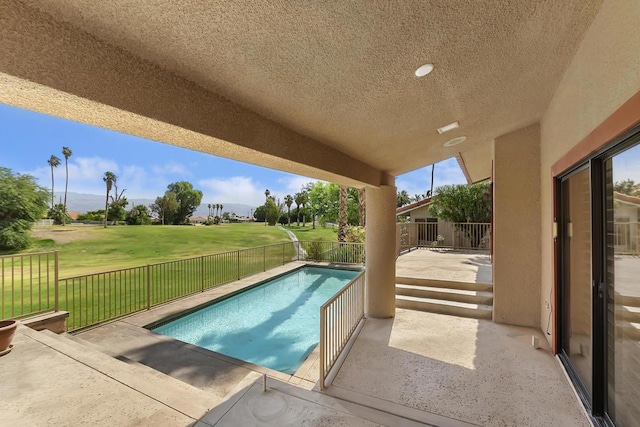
{"x":28,"y":284}
{"x":95,"y":298}
{"x":334,"y":252}
{"x":340,"y":317}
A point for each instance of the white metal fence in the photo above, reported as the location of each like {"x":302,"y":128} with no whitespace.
{"x":339,"y":318}
{"x":452,"y":235}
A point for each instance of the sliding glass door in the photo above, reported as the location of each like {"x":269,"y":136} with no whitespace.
{"x":622,"y":195}
{"x":598,"y":219}
{"x":577,"y":314}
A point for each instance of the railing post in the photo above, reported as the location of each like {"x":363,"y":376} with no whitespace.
{"x":238,"y":258}
{"x":202,"y":271}
{"x":323,"y":362}
{"x":56,"y":298}
{"x":283,"y":250}
{"x":264,"y":258}
{"x":148,"y":287}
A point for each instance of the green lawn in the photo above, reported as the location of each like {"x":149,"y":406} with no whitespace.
{"x":90,"y":249}
{"x":27,"y":287}
{"x":308,"y":233}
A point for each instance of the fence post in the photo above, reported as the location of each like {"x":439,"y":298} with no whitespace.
{"x":264,"y":258}
{"x":202,"y":271}
{"x":454,"y":235}
{"x":56,"y":298}
{"x":148,"y":287}
{"x":283,"y":249}
{"x":238,"y":257}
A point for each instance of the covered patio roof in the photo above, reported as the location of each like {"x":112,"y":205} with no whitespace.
{"x":324,"y":90}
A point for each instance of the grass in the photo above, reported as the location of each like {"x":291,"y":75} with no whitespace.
{"x":100,"y":297}
{"x":89,"y":249}
{"x":308,"y":233}
{"x":181,"y":258}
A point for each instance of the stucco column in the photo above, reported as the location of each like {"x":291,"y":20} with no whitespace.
{"x":516,"y":227}
{"x":381,"y":251}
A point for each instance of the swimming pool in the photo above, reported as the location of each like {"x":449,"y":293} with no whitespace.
{"x":275,"y":324}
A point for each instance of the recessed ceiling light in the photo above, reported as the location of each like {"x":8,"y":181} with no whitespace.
{"x":455,"y":141}
{"x":424,"y":70}
{"x":447,"y":128}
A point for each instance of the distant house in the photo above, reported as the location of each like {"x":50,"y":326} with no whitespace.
{"x":417,"y":211}
{"x":428,"y":229}
{"x":626,"y":214}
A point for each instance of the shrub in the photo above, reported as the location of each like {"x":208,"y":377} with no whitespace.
{"x":314,"y":251}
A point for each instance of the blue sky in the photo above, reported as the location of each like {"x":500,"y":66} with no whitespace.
{"x":145,"y":168}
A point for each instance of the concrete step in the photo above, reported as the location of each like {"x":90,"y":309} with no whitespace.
{"x":452,"y":308}
{"x":163,"y":388}
{"x":626,"y":312}
{"x":627,"y":300}
{"x":628,"y":330}
{"x":459,"y":295}
{"x":432,"y":283}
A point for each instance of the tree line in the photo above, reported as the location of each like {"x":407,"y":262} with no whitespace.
{"x":318,"y":202}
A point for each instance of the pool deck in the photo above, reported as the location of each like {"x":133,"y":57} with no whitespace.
{"x":214,"y":372}
{"x":415,"y":369}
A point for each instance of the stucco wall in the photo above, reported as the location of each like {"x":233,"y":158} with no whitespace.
{"x":604,"y":73}
{"x":420,"y":213}
{"x":516,"y":232}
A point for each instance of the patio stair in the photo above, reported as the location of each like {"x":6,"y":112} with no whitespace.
{"x":628,"y":316}
{"x":171,"y":392}
{"x":445,"y":297}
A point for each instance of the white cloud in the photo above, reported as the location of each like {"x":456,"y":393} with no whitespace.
{"x":85,"y":174}
{"x":236,"y":189}
{"x":293,"y":184}
{"x":172,"y":168}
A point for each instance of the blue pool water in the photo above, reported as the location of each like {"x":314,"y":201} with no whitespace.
{"x":276,"y":324}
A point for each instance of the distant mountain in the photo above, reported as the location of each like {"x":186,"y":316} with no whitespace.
{"x":79,"y":202}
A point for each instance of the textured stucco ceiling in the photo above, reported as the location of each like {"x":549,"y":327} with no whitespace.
{"x":341,"y":72}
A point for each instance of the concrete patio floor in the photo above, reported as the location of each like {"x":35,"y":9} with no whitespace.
{"x":441,"y":369}
{"x":415,"y":369}
{"x":446,"y":264}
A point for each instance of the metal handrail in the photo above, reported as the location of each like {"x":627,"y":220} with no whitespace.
{"x":105,"y":295}
{"x":339,"y":318}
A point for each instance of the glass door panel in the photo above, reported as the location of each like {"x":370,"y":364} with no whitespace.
{"x":577,"y":322}
{"x":622,"y":204}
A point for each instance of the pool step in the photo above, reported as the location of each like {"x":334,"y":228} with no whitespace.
{"x":173,"y":393}
{"x":462,"y":299}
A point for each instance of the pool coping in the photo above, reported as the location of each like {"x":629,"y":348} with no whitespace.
{"x":305,"y":376}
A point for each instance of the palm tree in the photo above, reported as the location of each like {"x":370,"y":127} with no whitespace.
{"x":217,"y":209}
{"x":109,"y":178}
{"x":362,"y":205}
{"x":209,"y":205}
{"x":221,"y":207}
{"x":54,"y":162}
{"x":433,"y":168}
{"x":305,"y":200}
{"x":342,"y":215}
{"x":298,"y":198}
{"x":66,"y":152}
{"x":266,"y":196}
{"x":288,"y":200}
